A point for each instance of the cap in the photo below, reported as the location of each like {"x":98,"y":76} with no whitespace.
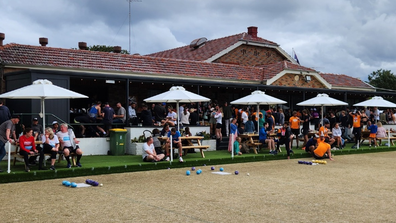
{"x":35,"y":119}
{"x":15,"y":116}
{"x":54,"y":122}
{"x":326,"y":121}
{"x":163,"y":103}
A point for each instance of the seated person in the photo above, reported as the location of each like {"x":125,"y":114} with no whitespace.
{"x":323,"y":130}
{"x":337,"y":133}
{"x":381,"y":133}
{"x":28,"y":147}
{"x":50,"y":145}
{"x":323,"y":150}
{"x":157,"y":142}
{"x":237,"y":146}
{"x":149,"y":153}
{"x":373,"y":133}
{"x":176,"y":142}
{"x":69,"y":144}
{"x":311,"y":144}
{"x":264,"y":139}
{"x":185,"y":142}
{"x":146,"y":117}
{"x":249,"y":125}
{"x":171,"y":118}
{"x":241,"y":128}
{"x":285,"y":136}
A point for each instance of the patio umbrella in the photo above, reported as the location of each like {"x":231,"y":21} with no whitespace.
{"x":258,"y":98}
{"x":322,"y":100}
{"x":377,"y":101}
{"x":40,"y":89}
{"x":176,"y":95}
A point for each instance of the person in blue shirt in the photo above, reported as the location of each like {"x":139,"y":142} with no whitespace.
{"x":311,"y":144}
{"x":270,"y":122}
{"x":373,"y":132}
{"x":264,"y":139}
{"x":249,"y":125}
{"x":176,"y":141}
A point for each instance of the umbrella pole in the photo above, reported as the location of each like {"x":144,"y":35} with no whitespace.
{"x":232,"y":146}
{"x":258,"y":117}
{"x":178,"y":115}
{"x":43,"y":109}
{"x":171,"y":148}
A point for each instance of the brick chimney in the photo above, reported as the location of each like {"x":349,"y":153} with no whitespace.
{"x":43,"y":41}
{"x":117,"y":49}
{"x":2,"y":37}
{"x":82,"y":45}
{"x":252,"y":30}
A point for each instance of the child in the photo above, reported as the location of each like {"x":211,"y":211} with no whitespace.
{"x":373,"y":133}
{"x":237,"y":146}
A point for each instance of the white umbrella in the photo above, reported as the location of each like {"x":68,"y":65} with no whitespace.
{"x":176,"y":95}
{"x":257,"y":98}
{"x":377,"y":101}
{"x":40,"y":89}
{"x":322,"y":100}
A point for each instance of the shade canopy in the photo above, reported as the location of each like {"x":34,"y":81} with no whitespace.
{"x":41,"y":89}
{"x":258,"y":98}
{"x":322,"y":100}
{"x":376,"y":101}
{"x":176,"y":94}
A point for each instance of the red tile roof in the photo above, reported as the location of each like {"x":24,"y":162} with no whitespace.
{"x":209,"y":49}
{"x":16,"y":54}
{"x":270,"y":70}
{"x":342,"y":80}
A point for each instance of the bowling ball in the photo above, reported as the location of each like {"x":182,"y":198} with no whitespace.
{"x":73,"y":185}
{"x":188,"y":173}
{"x":221,"y":169}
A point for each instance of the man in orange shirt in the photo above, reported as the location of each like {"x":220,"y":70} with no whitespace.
{"x":295,"y":127}
{"x":323,"y":149}
{"x":357,"y":130}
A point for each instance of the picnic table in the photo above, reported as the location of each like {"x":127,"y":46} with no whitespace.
{"x":252,"y":140}
{"x":193,"y":142}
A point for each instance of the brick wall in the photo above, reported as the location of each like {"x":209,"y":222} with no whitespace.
{"x":251,"y":56}
{"x":288,"y":80}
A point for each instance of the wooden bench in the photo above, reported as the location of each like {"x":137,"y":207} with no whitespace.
{"x":200,"y":147}
{"x":17,"y":155}
{"x":254,"y":145}
{"x":386,"y":139}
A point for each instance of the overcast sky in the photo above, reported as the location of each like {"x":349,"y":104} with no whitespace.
{"x":352,"y":37}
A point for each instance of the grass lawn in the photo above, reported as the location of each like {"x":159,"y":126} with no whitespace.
{"x":94,"y":165}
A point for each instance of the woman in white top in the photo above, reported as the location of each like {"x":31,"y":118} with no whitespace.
{"x":337,"y":134}
{"x":218,"y":116}
{"x":185,"y":116}
{"x":50,"y":145}
{"x":171,"y":118}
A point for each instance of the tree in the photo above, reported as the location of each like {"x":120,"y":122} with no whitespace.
{"x":103,"y":48}
{"x":382,"y":79}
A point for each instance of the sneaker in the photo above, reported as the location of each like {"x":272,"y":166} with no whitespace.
{"x":271,"y":152}
{"x":167,"y":158}
{"x":292,"y":152}
{"x":52,"y":168}
{"x":68,"y":165}
{"x":27,"y":169}
{"x":78,"y":164}
{"x":370,"y":145}
{"x":275,"y":152}
{"x":181,"y":160}
{"x":353,"y":147}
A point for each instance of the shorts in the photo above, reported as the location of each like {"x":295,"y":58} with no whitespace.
{"x":319,"y":157}
{"x":373,"y":135}
{"x":296,"y":132}
{"x":71,"y":149}
{"x":218,"y":125}
{"x":305,"y":131}
{"x":145,"y":159}
{"x":212,"y":120}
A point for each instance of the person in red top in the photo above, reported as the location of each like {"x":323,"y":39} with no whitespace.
{"x":295,"y":127}
{"x":27,"y":147}
{"x":357,"y":130}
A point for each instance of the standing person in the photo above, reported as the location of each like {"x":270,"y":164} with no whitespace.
{"x":244,"y":115}
{"x":150,"y":154}
{"x":281,"y":117}
{"x":37,"y":129}
{"x":185,"y":117}
{"x":4,"y":113}
{"x":146,"y":117}
{"x":295,"y":127}
{"x":108,"y":115}
{"x":261,"y":121}
{"x":120,"y":117}
{"x":305,"y":129}
{"x":373,"y":133}
{"x":194,"y":117}
{"x":28,"y":147}
{"x":227,"y":111}
{"x":219,"y":117}
{"x":50,"y":145}
{"x":160,"y":112}
{"x":69,"y":144}
{"x":345,"y":126}
{"x":7,"y":131}
{"x":357,"y":130}
{"x":233,"y":133}
{"x":284,"y":135}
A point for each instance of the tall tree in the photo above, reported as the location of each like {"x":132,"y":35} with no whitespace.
{"x":382,"y":79}
{"x":104,"y":48}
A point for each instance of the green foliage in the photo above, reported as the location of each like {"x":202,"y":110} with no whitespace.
{"x":382,"y":79}
{"x":104,"y":48}
{"x":204,"y":134}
